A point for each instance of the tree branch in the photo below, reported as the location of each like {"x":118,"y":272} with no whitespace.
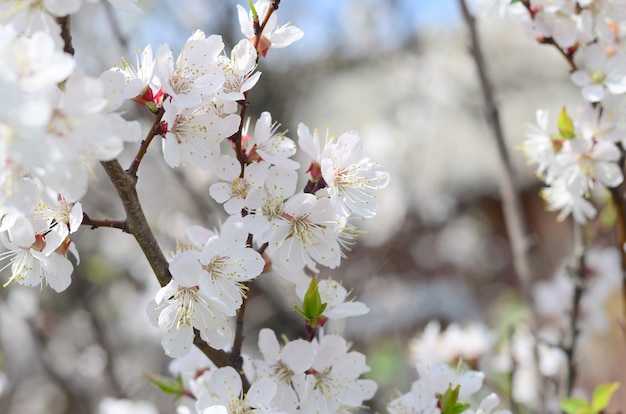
{"x":137,"y":224}
{"x":513,"y":212}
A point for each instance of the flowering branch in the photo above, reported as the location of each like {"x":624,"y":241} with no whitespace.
{"x":258,"y":34}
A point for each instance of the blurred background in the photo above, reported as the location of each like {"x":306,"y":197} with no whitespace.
{"x":400,"y":73}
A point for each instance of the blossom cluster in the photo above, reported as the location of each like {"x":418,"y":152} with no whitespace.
{"x":54,"y":123}
{"x":321,"y":376}
{"x":60,"y":121}
{"x":580,"y":157}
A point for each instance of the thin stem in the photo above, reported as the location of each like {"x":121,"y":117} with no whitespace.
{"x":114,"y":224}
{"x":219,"y":357}
{"x":578,"y":276}
{"x":258,"y":34}
{"x":132,"y":170}
{"x":568,"y":55}
{"x":66,"y":34}
{"x":620,"y":234}
{"x":513,"y":212}
{"x":258,"y":30}
{"x":241,"y":312}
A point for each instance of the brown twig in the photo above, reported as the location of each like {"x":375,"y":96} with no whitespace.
{"x":620,"y":234}
{"x":115,"y":224}
{"x":143,"y":148}
{"x":513,"y":212}
{"x":578,"y":276}
{"x":567,"y":54}
{"x":66,"y":34}
{"x":220,"y":358}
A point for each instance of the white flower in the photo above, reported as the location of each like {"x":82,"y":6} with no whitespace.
{"x":561,"y":197}
{"x":601,"y":123}
{"x":435,"y":379}
{"x":334,"y":384}
{"x":581,"y":162}
{"x":30,"y":264}
{"x":557,"y":19}
{"x":238,"y":72}
{"x":284,"y":365}
{"x":538,"y":146}
{"x":279,"y":186}
{"x":194,"y":135}
{"x":138,"y":82}
{"x":180,"y":307}
{"x":239,"y":193}
{"x":273,"y":35}
{"x":420,"y":400}
{"x":271,"y":146}
{"x":305,"y":234}
{"x":33,"y":62}
{"x":226,"y":395}
{"x":352,"y":180}
{"x":468,"y":343}
{"x":196,"y":75}
{"x":440,"y":376}
{"x":225,"y":263}
{"x":601,"y":73}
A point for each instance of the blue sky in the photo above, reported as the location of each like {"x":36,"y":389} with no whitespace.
{"x":327,"y":24}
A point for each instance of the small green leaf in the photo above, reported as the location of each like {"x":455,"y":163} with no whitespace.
{"x":575,"y":406}
{"x":168,"y":385}
{"x":516,"y":1}
{"x":565,"y":124}
{"x":255,"y":15}
{"x":602,"y":396}
{"x":450,"y":401}
{"x":312,"y":306}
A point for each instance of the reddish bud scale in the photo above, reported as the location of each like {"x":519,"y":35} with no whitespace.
{"x":150,"y":99}
{"x":262,"y":45}
{"x":162,"y":128}
{"x":321,"y":321}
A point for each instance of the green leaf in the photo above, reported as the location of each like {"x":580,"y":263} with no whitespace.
{"x":602,"y":396}
{"x":168,"y":385}
{"x":516,"y":1}
{"x":565,"y":124}
{"x":450,"y":401}
{"x":575,"y":406}
{"x":255,"y":15}
{"x":312,"y":306}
